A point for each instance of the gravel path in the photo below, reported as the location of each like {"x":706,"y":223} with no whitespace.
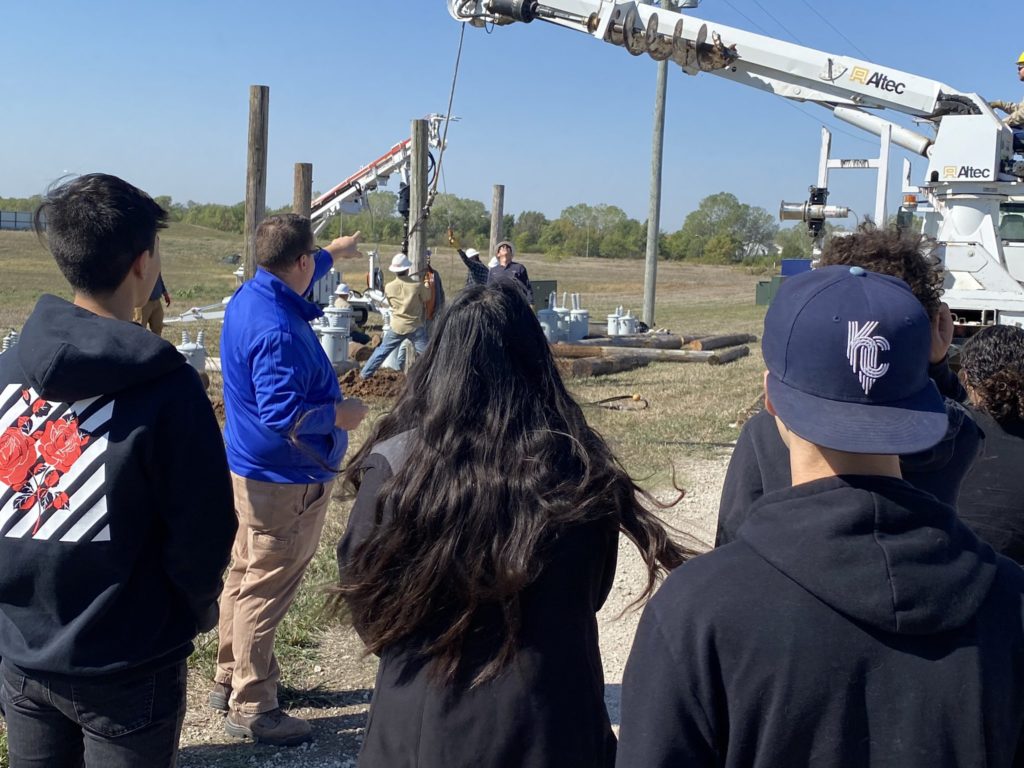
{"x":334,"y":695}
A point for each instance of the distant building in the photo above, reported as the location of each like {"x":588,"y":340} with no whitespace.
{"x":17,"y":220}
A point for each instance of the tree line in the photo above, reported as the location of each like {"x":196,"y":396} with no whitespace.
{"x":722,"y":230}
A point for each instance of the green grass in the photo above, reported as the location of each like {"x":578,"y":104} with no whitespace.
{"x":692,"y":406}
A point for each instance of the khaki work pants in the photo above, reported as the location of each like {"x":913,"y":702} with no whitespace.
{"x":151,"y":315}
{"x":279,"y":528}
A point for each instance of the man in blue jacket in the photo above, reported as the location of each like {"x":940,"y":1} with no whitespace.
{"x":115,"y":502}
{"x":854,"y":621}
{"x":285,"y":430}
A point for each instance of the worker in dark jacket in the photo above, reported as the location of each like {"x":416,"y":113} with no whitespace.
{"x":760,"y":462}
{"x":481,"y":546}
{"x":854,"y":621}
{"x":116,"y":514}
{"x":476,"y":270}
{"x":509,"y":270}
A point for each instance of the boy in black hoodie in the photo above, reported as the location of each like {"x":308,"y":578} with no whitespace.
{"x":854,"y":621}
{"x":116,"y":514}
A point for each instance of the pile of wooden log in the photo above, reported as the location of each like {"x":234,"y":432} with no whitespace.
{"x":612,"y":354}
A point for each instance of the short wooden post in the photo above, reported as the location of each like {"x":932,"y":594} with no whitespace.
{"x":497,"y":217}
{"x":302,"y":194}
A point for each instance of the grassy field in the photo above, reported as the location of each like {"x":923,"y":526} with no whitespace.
{"x":690,"y":404}
{"x":692,"y":407}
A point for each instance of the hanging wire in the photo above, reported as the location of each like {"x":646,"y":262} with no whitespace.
{"x":432,"y":193}
{"x":834,"y":29}
{"x":741,"y":13}
{"x":832,"y":127}
{"x":451,"y":99}
{"x":770,"y":15}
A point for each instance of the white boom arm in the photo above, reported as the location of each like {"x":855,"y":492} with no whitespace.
{"x":369,"y":177}
{"x":846,"y":85}
{"x":971,"y":167}
{"x":782,"y":68}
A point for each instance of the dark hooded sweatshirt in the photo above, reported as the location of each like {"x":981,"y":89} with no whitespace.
{"x":544,"y":710}
{"x":854,"y":622}
{"x":760,"y":461}
{"x":116,"y":512}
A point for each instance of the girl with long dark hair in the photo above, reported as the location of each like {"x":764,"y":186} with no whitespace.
{"x":480,"y":547}
{"x":992,"y":495}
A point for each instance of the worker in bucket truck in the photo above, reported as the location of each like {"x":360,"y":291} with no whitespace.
{"x":1015,"y":112}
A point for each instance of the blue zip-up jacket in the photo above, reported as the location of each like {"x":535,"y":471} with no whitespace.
{"x":279,"y":384}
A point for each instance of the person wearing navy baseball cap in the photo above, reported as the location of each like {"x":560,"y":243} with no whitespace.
{"x":847,"y":358}
{"x":760,"y":459}
{"x":854,"y":621}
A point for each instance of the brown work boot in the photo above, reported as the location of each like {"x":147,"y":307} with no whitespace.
{"x":220,"y":694}
{"x":273,"y":727}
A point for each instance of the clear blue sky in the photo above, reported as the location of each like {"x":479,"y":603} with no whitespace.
{"x":158,"y":93}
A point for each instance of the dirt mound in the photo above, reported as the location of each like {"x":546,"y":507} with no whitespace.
{"x":385,"y":384}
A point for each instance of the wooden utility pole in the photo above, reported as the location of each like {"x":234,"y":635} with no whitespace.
{"x":497,"y":217}
{"x":302,"y":194}
{"x":418,"y":197}
{"x":256,"y":171}
{"x":654,"y":206}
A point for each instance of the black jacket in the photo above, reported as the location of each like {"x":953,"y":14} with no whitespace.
{"x":854,"y":622}
{"x":116,"y":512}
{"x":760,"y":461}
{"x":992,"y":495}
{"x":545,"y":710}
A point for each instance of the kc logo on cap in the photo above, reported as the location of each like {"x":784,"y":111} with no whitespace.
{"x":847,"y":357}
{"x":862,"y":349}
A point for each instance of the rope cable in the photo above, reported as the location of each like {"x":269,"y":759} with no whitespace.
{"x":432,"y":193}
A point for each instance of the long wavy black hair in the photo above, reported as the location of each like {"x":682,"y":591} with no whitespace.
{"x":992,"y":366}
{"x":502,"y":461}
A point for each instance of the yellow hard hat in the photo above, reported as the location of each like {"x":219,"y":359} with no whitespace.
{"x":1020,"y":60}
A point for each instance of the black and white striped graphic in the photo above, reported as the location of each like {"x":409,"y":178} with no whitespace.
{"x":84,"y":517}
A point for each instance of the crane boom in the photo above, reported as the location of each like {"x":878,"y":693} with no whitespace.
{"x":783,"y":68}
{"x":972,"y":178}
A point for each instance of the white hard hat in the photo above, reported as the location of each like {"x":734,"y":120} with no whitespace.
{"x":400,"y":263}
{"x":493,"y":262}
{"x":471,"y":252}
{"x":342,"y":289}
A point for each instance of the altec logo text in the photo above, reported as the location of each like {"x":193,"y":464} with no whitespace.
{"x":878,"y":80}
{"x":965,"y":172}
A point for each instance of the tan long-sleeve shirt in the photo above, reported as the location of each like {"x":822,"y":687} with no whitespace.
{"x":406,"y":296}
{"x":1015,"y":112}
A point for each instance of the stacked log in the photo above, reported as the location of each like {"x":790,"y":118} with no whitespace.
{"x":577,"y":352}
{"x":598,"y":366}
{"x":717,"y":342}
{"x":613,"y":354}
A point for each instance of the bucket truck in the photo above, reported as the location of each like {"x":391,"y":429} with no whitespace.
{"x":972,"y":196}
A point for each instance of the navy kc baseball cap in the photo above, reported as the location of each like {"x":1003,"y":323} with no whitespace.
{"x":847,"y":357}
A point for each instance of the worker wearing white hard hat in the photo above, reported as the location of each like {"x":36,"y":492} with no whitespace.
{"x":406,"y":295}
{"x":476,"y":272}
{"x":400,"y":263}
{"x":341,"y":293}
